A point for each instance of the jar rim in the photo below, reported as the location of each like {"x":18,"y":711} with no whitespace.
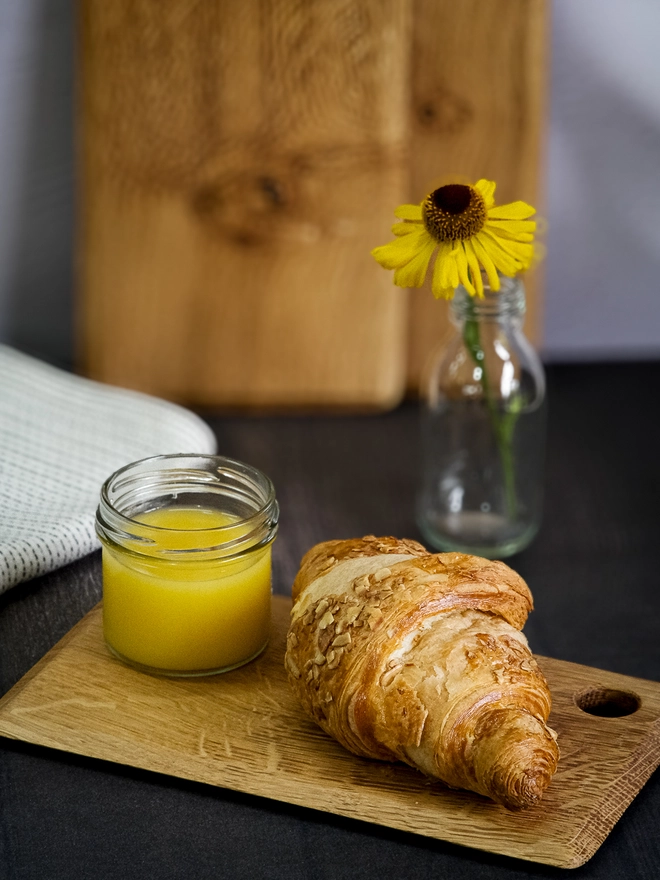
{"x":117,"y":527}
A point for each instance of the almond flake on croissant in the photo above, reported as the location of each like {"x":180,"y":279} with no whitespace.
{"x":405,"y":655}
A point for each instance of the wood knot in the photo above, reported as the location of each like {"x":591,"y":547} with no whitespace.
{"x":273,"y":191}
{"x":206,"y":200}
{"x":444,"y":112}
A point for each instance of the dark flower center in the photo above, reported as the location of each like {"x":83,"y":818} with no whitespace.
{"x":454,"y":212}
{"x":453,"y":198}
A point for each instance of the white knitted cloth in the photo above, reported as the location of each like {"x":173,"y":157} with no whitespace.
{"x":61,"y":436}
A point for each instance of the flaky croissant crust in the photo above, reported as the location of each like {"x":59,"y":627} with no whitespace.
{"x":405,"y":655}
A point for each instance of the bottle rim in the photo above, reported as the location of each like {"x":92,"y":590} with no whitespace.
{"x":508,"y":301}
{"x":138,"y":487}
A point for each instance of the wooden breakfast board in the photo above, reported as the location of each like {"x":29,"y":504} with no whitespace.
{"x":245,"y":731}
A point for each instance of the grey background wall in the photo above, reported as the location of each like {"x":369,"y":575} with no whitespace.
{"x":603,"y":267}
{"x":36,"y":176}
{"x":603,"y":179}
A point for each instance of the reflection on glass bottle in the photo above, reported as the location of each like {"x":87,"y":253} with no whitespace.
{"x":483,"y":426}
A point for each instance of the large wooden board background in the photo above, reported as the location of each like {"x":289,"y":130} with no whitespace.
{"x":478,"y":109}
{"x":244,"y":730}
{"x":239,"y":160}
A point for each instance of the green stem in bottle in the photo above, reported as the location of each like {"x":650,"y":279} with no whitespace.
{"x":502,"y":424}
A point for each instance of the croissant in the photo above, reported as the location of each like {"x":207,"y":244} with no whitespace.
{"x":403,"y":655}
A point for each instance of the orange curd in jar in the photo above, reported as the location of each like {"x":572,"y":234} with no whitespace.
{"x":187,"y":563}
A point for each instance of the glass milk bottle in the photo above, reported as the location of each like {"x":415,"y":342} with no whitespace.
{"x":483,"y":430}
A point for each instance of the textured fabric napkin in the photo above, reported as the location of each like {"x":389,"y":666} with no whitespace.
{"x":61,"y":436}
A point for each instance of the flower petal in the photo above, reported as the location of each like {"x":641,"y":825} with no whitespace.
{"x":538,"y":253}
{"x":484,"y":258}
{"x":517,"y":230}
{"x":518,"y":254}
{"x":414,"y":273}
{"x":406,"y":227}
{"x":442,"y":293}
{"x":503,"y":260}
{"x":512,"y":236}
{"x":475,"y":268}
{"x":487,"y":190}
{"x":512,"y":211}
{"x":401,"y":251}
{"x":440,"y":283}
{"x":408,"y":212}
{"x":454,"y":279}
{"x":463,"y":272}
{"x":521,"y":251}
{"x":444,"y":270}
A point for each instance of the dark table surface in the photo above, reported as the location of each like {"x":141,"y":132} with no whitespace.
{"x":594,"y":570}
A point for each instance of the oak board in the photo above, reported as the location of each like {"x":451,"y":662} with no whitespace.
{"x":244,"y":731}
{"x":238,"y":162}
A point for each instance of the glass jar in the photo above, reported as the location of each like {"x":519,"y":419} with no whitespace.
{"x":187,"y":563}
{"x":483,"y":430}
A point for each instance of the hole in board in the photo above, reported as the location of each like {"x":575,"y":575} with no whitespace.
{"x":607,"y":702}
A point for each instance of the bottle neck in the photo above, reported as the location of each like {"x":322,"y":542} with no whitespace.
{"x":508,"y":303}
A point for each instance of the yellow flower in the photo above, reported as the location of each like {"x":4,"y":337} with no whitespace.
{"x":469,"y":232}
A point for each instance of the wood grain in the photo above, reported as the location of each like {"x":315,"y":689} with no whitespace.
{"x":243,"y":730}
{"x":239,"y":161}
{"x":478,"y":109}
